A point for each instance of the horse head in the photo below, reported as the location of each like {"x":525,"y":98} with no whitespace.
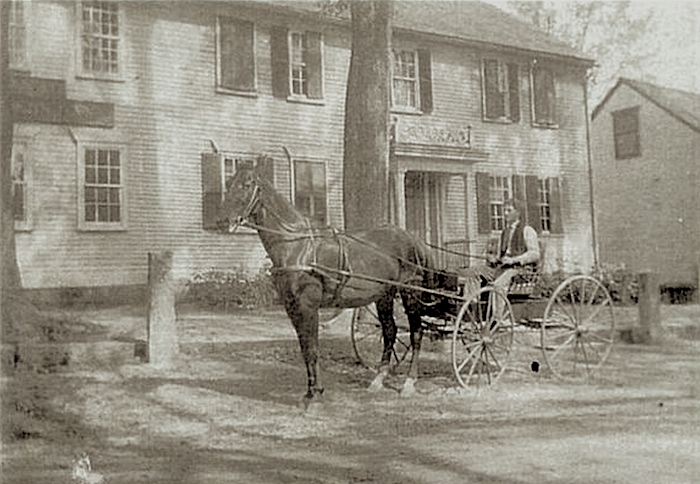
{"x":241,"y":199}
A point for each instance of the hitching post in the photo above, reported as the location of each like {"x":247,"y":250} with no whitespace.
{"x":162,"y":333}
{"x":649,"y":312}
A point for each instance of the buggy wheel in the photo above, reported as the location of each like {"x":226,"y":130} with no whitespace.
{"x":367,"y":339}
{"x":482,"y":338}
{"x":578,"y":328}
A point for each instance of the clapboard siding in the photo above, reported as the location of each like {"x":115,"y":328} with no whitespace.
{"x":647,"y":206}
{"x":167,"y":110}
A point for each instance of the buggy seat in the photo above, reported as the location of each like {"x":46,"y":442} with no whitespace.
{"x":524,"y":284}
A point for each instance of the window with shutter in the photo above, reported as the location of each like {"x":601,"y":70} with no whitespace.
{"x":297,"y":64}
{"x":425,"y":71}
{"x":405,"y":91}
{"x":543,"y":96}
{"x":236,"y":55}
{"x":21,"y":185}
{"x":310,"y":190}
{"x":626,"y":133}
{"x":501,"y":91}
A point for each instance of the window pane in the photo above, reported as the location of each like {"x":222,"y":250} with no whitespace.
{"x":90,"y":213}
{"x":90,"y":195}
{"x":102,"y":195}
{"x":102,"y":213}
{"x":18,"y":201}
{"x":114,"y":196}
{"x":102,"y":175}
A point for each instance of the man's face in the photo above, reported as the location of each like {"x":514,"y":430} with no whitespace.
{"x":511,"y":213}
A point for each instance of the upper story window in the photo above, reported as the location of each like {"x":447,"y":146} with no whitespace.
{"x":102,"y":200}
{"x":100,"y":39}
{"x":297,"y":64}
{"x":21,"y":185}
{"x":501,"y":88}
{"x":310,"y":190}
{"x":235,"y":55}
{"x":405,"y":90}
{"x":543,"y":96}
{"x":17,"y":34}
{"x":626,"y":133}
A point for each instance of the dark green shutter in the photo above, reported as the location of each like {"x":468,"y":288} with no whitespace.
{"x":483,"y":202}
{"x":279,"y":52}
{"x":266,"y":168}
{"x":314,"y":63}
{"x":212,"y":188}
{"x":493,"y":104}
{"x":557,"y":227}
{"x":237,"y":58}
{"x":514,"y":92}
{"x":532,"y":185}
{"x":426,"y":81}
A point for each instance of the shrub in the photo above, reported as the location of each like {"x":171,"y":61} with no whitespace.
{"x":621,"y":283}
{"x":213,"y":288}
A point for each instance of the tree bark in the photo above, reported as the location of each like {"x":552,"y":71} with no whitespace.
{"x":10,"y":272}
{"x":366,"y":153}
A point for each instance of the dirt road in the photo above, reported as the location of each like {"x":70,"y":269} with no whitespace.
{"x":230,"y":413}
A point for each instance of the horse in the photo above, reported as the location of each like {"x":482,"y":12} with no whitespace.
{"x":321,"y":267}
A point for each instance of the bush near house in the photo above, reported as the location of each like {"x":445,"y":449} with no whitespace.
{"x":225,"y":290}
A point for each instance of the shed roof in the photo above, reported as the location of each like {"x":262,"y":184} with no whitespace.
{"x":683,"y":105}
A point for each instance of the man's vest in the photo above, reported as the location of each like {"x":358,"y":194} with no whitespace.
{"x":517,"y":243}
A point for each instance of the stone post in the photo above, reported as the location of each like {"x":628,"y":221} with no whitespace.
{"x":649,"y":311}
{"x":162,"y":332}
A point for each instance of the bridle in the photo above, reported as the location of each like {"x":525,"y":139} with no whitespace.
{"x":242,"y":220}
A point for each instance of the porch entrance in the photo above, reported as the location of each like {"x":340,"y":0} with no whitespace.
{"x":424,"y":206}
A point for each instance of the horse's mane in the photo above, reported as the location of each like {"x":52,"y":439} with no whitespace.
{"x":280,"y":206}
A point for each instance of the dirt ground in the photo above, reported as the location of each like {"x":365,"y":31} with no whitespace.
{"x":230,"y":412}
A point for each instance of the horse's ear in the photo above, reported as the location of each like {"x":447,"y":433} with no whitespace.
{"x":265,"y":168}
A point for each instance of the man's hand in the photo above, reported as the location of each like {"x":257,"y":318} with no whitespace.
{"x":508,"y":261}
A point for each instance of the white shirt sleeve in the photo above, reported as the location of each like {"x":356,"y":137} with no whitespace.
{"x":533,"y":247}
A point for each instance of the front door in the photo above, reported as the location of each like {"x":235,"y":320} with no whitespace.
{"x":424,"y":206}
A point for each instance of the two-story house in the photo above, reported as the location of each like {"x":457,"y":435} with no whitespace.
{"x":130,"y":116}
{"x":646,"y":171}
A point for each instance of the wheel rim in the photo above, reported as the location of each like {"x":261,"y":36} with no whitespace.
{"x":579,"y":328}
{"x":482,"y":339}
{"x":367,"y":339}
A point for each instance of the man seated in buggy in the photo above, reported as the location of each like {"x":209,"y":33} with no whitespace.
{"x":518,"y":247}
{"x":514,"y":254}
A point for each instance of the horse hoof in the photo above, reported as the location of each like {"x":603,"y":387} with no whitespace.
{"x":377,"y":384}
{"x":408,"y":389}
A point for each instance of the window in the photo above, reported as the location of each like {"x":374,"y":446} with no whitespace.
{"x":102,"y":204}
{"x":405,"y":80}
{"x":18,"y":34}
{"x":236,"y":55}
{"x":100,"y":39}
{"x":297,"y":64}
{"x":310,"y":190}
{"x":626,"y":133}
{"x":499,"y":193}
{"x":543,"y":96}
{"x":20,"y":186}
{"x":501,"y":90}
{"x":544,"y":204}
{"x":541,"y":197}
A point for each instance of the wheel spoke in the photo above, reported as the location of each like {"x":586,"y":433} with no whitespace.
{"x":595,"y":312}
{"x":469,"y":357}
{"x":564,"y":310}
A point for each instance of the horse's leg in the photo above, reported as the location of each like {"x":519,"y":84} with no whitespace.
{"x":302,"y":309}
{"x":385,"y":312}
{"x":412,"y":306}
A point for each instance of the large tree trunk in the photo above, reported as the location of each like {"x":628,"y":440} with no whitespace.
{"x":366,"y":157}
{"x":10,"y":272}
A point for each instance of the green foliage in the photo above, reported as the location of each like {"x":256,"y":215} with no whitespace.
{"x":224,"y":290}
